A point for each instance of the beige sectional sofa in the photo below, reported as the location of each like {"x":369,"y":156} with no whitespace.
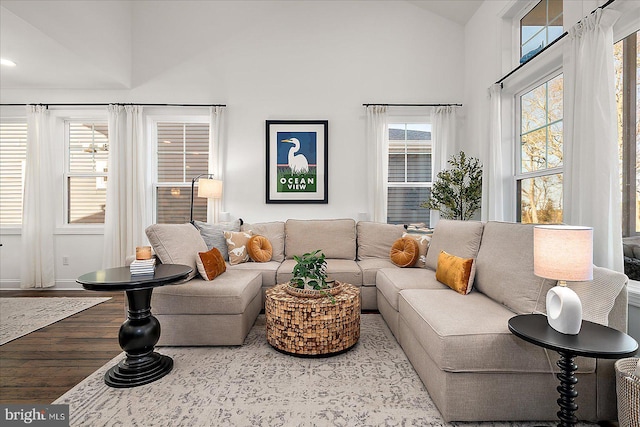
{"x":460,"y":345}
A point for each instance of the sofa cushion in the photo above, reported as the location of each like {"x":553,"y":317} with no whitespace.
{"x":504,"y":269}
{"x":404,"y":252}
{"x":213,"y":234}
{"x":370,"y":267}
{"x":335,"y":237}
{"x":455,"y":272}
{"x":459,"y":238}
{"x":210,"y":264}
{"x":267,"y":269}
{"x":274,"y":231}
{"x":177,"y":244}
{"x":375,"y":238}
{"x":342,"y":270}
{"x":231,"y":294}
{"x":390,"y":281}
{"x":470,"y":333}
{"x":259,"y":249}
{"x":237,"y":242}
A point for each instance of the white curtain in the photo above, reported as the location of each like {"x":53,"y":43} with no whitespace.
{"x":125,"y":211}
{"x":377,"y":149}
{"x":216,"y":158}
{"x":591,"y":169}
{"x":493,"y":188}
{"x":37,"y":269}
{"x":443,"y":140}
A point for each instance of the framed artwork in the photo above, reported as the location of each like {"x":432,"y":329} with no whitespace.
{"x":297,"y":169}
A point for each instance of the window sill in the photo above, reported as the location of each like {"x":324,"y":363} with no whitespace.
{"x":634,"y":293}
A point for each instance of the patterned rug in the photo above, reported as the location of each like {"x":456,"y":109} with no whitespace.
{"x":21,"y":316}
{"x":373,"y":384}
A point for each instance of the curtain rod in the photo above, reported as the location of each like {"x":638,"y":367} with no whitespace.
{"x":413,"y":105}
{"x":563,"y":35}
{"x":113,"y":103}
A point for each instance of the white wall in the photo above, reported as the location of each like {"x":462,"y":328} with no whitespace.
{"x":273,"y":60}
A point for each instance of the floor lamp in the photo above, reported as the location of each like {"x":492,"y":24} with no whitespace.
{"x":207,"y":187}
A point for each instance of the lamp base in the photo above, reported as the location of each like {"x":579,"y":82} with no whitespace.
{"x":564,"y":310}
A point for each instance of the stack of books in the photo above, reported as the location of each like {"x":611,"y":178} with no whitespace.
{"x":143,"y":267}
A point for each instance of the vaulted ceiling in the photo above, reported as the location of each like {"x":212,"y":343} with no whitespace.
{"x":88,"y":44}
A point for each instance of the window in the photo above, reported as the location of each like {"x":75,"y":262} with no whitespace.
{"x":182,"y":154}
{"x":539,"y":27}
{"x":86,"y":171}
{"x":13,"y":153}
{"x":409,"y":182}
{"x":627,"y":66}
{"x":539,"y":170}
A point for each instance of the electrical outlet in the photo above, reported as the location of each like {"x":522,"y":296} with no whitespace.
{"x":65,"y":260}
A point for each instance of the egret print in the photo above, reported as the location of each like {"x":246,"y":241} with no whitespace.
{"x":296,"y":154}
{"x":298,"y":163}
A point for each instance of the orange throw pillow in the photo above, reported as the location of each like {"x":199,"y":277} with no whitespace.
{"x":455,"y":272}
{"x":404,"y":252}
{"x":210,"y":264}
{"x":259,"y":248}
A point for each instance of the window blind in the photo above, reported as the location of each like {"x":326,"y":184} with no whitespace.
{"x":13,"y":152}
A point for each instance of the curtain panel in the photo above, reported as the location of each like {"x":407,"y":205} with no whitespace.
{"x":126,"y":182}
{"x":377,"y":151}
{"x":591,"y":169}
{"x":443,"y":138}
{"x":37,"y":268}
{"x":216,"y":158}
{"x":493,"y":183}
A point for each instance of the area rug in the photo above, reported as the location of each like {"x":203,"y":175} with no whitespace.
{"x":21,"y":316}
{"x":373,"y":384}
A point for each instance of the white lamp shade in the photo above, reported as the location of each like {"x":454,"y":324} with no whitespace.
{"x":210,"y":188}
{"x":563,"y":252}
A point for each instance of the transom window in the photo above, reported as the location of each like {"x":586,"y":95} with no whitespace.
{"x":539,"y":27}
{"x":13,"y":154}
{"x":409,"y":182}
{"x":539,"y":174}
{"x":182,"y":154}
{"x":86,"y":171}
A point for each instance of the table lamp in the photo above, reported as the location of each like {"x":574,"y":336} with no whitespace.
{"x":563,"y":253}
{"x":207,"y":187}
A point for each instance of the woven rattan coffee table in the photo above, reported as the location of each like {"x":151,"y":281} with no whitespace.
{"x":312,"y":326}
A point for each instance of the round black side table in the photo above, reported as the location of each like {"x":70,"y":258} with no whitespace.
{"x":593,"y":340}
{"x":141,"y":331}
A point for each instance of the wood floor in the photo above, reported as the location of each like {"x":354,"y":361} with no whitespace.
{"x":43,"y":365}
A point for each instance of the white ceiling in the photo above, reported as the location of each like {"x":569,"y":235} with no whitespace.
{"x":459,"y":11}
{"x":70,"y":44}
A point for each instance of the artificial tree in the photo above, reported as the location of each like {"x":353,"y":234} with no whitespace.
{"x":457,"y":191}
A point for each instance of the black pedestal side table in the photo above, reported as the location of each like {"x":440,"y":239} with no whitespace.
{"x":593,"y":340}
{"x":141,"y":331}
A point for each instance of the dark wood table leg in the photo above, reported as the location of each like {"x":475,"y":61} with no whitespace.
{"x":567,"y":390}
{"x":137,"y":337}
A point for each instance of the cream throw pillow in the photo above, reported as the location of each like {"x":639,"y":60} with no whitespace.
{"x":237,"y":246}
{"x":423,"y":246}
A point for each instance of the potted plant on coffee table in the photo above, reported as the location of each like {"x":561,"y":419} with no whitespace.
{"x":310,"y":276}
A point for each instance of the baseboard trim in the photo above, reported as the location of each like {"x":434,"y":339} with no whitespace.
{"x":61,"y":285}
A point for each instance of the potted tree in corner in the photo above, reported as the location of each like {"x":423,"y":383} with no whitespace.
{"x":457,"y":191}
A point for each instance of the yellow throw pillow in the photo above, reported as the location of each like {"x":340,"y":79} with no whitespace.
{"x":210,"y":264}
{"x":455,"y":272}
{"x":237,"y":244}
{"x":404,"y":252}
{"x":423,"y":246}
{"x":259,"y":248}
